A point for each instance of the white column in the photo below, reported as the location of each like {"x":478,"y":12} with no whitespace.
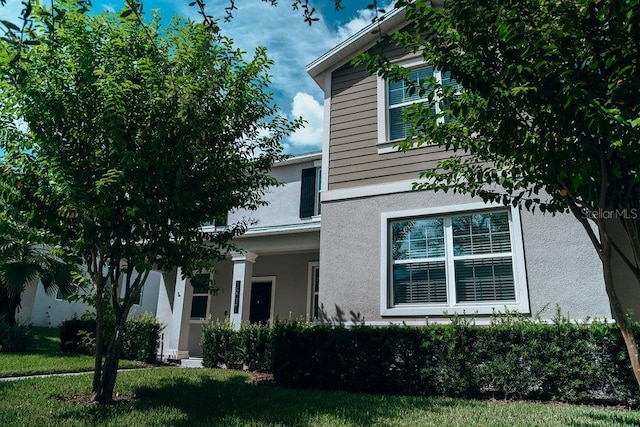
{"x":241,"y":287}
{"x":180,"y":317}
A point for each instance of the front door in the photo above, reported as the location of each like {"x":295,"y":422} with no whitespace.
{"x":260,"y":308}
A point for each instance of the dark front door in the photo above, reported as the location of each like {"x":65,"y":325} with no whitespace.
{"x":260,"y":308}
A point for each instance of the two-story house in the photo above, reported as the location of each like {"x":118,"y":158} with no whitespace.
{"x":390,"y":254}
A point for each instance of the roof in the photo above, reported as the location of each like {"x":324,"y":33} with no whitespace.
{"x":301,"y":158}
{"x":359,"y":42}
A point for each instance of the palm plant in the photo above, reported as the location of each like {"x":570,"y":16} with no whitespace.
{"x":25,"y":263}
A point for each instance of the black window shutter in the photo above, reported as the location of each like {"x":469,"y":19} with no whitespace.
{"x":307,"y":192}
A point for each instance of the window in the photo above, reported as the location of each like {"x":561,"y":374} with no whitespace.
{"x":200,"y":301}
{"x":399,"y":98}
{"x":394,"y":97}
{"x":465,"y":261}
{"x":310,"y":192}
{"x":138,"y":300}
{"x":219,"y":221}
{"x":313,"y":311}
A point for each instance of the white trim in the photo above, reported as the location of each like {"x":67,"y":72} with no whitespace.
{"x":311,"y":224}
{"x":368,"y":190}
{"x":311,"y":266}
{"x":384,"y":144}
{"x":359,"y":42}
{"x":244,"y":256}
{"x":326,"y":130}
{"x":200,"y":320}
{"x":299,"y":159}
{"x":521,"y":303}
{"x":272,"y":307}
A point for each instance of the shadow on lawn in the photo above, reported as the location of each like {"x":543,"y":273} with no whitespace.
{"x":235,"y":401}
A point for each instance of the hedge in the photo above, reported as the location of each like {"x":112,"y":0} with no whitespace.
{"x":512,"y":359}
{"x":140,"y":341}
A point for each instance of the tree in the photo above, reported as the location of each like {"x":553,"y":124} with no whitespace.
{"x":546,"y":114}
{"x":136,"y":136}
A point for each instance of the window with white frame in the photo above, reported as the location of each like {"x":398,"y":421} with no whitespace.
{"x":200,"y":300}
{"x":466,"y":261}
{"x":396,"y":96}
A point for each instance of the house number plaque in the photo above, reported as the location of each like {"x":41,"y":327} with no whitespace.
{"x":236,"y":298}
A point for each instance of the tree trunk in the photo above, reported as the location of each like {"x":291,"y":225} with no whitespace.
{"x":103,"y":393}
{"x":97,"y":369}
{"x":617,"y":311}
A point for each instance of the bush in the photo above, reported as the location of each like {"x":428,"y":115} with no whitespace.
{"x":78,"y":336}
{"x":251,"y":347}
{"x":141,"y":338}
{"x":140,"y":341}
{"x":16,"y":338}
{"x":514,"y":358}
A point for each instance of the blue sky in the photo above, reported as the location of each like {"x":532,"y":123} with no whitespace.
{"x":290,"y":42}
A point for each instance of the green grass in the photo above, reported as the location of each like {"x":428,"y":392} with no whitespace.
{"x":46,"y":357}
{"x":207,"y":397}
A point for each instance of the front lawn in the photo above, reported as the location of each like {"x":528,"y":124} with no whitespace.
{"x":212,"y":397}
{"x":46,"y":357}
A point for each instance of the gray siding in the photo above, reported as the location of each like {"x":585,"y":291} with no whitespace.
{"x":353,"y":151}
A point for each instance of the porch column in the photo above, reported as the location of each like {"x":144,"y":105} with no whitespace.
{"x":240,"y":287}
{"x":180,"y":317}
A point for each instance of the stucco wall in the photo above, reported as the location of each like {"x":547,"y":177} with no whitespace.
{"x":291,"y":272}
{"x":283,"y":206}
{"x":561,"y":266}
{"x":49,"y":311}
{"x":46,"y":310}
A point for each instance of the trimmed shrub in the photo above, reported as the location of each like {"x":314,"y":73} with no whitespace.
{"x":16,"y":338}
{"x":514,"y":358}
{"x":140,"y":341}
{"x":257,"y":346}
{"x":141,"y":338}
{"x":221,"y":345}
{"x":250,"y":347}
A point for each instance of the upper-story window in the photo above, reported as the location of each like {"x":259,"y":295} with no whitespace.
{"x":220,"y":221}
{"x":400,"y":96}
{"x":394,"y":97}
{"x":310,"y":192}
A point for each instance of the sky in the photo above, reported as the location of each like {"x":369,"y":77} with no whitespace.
{"x":291,"y":43}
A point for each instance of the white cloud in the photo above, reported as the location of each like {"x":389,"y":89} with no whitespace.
{"x":361,"y":20}
{"x":11,"y":11}
{"x":305,"y":106}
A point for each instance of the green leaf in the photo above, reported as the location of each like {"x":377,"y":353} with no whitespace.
{"x":10,"y":25}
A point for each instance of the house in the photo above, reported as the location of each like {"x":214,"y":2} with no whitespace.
{"x":388,"y":254}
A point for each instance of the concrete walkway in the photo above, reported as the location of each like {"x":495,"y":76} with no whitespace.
{"x":60,"y":374}
{"x":192,"y":362}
